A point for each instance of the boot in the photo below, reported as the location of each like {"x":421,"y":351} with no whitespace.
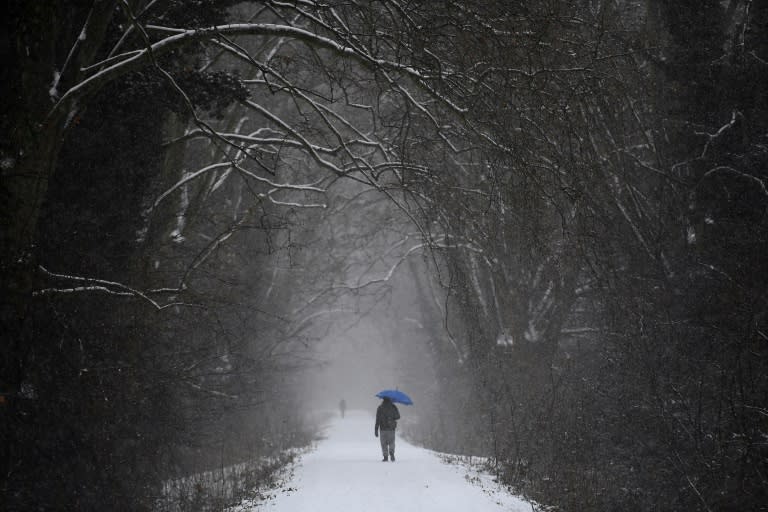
{"x":392,"y":456}
{"x":384,"y":459}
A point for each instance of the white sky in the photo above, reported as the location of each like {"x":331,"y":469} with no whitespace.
{"x":345,"y":474}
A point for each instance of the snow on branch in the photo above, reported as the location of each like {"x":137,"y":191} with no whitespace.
{"x":296,"y":135}
{"x":309,"y":187}
{"x":212,"y":392}
{"x":731,"y":170}
{"x":712,"y":137}
{"x":91,"y":284}
{"x":118,"y":65}
{"x":189,"y":177}
{"x":277,"y":141}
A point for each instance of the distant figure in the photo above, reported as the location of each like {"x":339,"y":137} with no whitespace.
{"x":342,"y":407}
{"x":386,"y":421}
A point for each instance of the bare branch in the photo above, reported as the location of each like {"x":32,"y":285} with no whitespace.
{"x":91,"y":284}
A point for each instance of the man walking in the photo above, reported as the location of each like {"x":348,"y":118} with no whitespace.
{"x":386,"y":421}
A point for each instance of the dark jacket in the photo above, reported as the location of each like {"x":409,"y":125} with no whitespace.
{"x":386,"y":417}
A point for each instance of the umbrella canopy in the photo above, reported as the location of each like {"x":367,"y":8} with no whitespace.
{"x":396,"y":396}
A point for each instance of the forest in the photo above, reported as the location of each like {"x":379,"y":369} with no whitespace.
{"x":558,"y":209}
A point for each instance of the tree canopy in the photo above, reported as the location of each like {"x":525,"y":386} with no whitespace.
{"x":575,"y":193}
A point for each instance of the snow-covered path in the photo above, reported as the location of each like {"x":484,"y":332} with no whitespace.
{"x":345,"y":474}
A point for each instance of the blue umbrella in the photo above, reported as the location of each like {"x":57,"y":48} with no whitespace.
{"x":396,"y":396}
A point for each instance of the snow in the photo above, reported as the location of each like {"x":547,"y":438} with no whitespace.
{"x":505,"y":339}
{"x":7,"y":163}
{"x":53,"y":92}
{"x":345,"y":473}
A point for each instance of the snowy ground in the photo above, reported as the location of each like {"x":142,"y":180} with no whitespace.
{"x":345,"y":474}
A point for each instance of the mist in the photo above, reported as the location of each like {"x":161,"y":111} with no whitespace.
{"x":545,"y":221}
{"x":356,"y":364}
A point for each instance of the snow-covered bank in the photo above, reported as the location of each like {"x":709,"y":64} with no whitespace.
{"x":345,"y":473}
{"x":215,"y":489}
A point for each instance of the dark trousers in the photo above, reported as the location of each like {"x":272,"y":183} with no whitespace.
{"x":387,"y":438}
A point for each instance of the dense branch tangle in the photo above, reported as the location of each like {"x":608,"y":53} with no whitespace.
{"x":335,"y":91}
{"x":337,"y":67}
